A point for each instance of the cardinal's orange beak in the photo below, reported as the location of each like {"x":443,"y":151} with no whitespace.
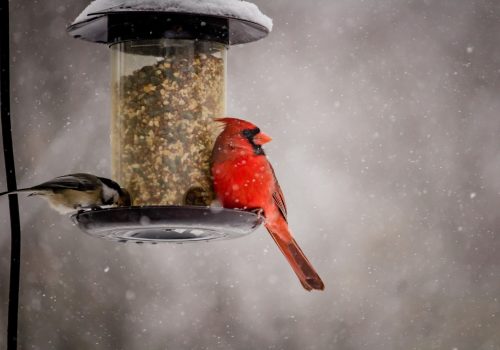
{"x":261,"y":139}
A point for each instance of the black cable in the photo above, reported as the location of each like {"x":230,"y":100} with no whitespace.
{"x":8,"y":151}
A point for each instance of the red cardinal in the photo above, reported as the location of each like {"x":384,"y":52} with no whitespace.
{"x":244,"y":179}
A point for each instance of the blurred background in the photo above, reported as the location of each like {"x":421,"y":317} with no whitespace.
{"x":385,"y":119}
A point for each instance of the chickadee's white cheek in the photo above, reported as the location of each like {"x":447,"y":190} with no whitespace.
{"x":109,"y":193}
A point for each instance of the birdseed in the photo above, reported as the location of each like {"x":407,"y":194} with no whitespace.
{"x":163,"y":129}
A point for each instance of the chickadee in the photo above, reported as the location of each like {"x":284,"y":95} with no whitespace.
{"x":69,"y":193}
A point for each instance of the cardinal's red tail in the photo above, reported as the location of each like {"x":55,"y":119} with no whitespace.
{"x":296,"y":258}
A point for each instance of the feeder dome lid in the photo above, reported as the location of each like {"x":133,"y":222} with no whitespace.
{"x":226,"y":21}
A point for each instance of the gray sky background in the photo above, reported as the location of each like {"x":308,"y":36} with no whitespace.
{"x":385,"y":124}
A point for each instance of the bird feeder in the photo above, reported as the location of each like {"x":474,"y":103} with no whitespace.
{"x":168,"y":62}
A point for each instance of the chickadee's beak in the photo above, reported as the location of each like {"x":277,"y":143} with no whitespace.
{"x":124,"y":200}
{"x":261,"y":139}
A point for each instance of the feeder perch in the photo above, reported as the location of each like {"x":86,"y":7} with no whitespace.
{"x":167,"y":223}
{"x":168,"y":84}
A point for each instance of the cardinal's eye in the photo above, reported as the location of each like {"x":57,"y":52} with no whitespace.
{"x":247,"y":133}
{"x":250,"y":133}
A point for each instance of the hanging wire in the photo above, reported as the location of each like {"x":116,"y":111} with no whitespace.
{"x":15,"y":257}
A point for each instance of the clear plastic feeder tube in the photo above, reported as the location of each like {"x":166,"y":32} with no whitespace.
{"x":165,"y":95}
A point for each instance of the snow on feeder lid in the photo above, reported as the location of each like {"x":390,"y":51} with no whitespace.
{"x":169,"y":83}
{"x":226,"y":21}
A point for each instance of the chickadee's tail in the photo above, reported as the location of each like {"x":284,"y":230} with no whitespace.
{"x":7,"y":192}
{"x":17,"y":191}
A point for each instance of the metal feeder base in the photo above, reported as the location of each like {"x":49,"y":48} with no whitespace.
{"x":155,"y":224}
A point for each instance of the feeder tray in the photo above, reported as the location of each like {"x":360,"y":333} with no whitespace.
{"x":177,"y":224}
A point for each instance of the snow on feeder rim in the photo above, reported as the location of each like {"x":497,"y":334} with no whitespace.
{"x":168,"y":86}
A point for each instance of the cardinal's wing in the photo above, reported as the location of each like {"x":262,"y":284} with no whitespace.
{"x":279,"y":198}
